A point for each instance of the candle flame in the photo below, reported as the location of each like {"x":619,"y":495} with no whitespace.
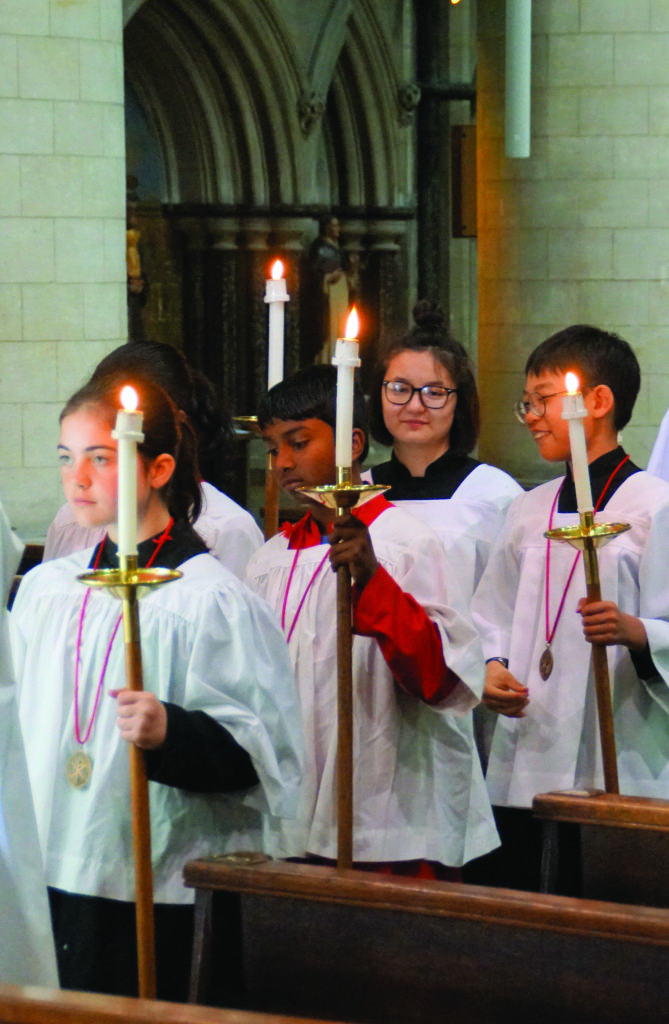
{"x":277,"y":270}
{"x":129,"y":399}
{"x":352,"y":324}
{"x":572,"y":383}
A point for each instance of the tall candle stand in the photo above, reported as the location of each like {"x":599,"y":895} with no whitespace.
{"x":587,"y":537}
{"x":128,"y":583}
{"x":343,"y":496}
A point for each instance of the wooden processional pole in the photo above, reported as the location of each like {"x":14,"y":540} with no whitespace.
{"x":344,"y":711}
{"x":600,"y":663}
{"x":271,"y":500}
{"x":139,"y":800}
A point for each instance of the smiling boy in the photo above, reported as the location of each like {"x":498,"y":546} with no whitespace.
{"x":530,"y":609}
{"x":418,"y":789}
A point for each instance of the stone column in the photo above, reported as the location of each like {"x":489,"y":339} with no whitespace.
{"x":62,"y":230}
{"x":223,"y":363}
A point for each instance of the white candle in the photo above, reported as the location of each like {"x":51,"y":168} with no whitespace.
{"x":573,"y":410}
{"x":276,"y":295}
{"x":128,"y":432}
{"x":346,"y":359}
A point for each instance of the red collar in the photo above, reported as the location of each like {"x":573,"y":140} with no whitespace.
{"x":306,"y":534}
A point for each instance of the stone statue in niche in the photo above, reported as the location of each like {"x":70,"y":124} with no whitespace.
{"x":138,"y":285}
{"x":334,"y":281}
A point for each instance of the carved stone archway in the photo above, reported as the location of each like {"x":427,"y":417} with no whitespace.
{"x":255,"y":140}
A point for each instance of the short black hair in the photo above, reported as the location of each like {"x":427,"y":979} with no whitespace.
{"x":599,"y":357}
{"x":430,"y":334}
{"x":311,"y":394}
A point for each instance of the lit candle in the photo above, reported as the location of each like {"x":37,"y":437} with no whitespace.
{"x":128,"y":432}
{"x":276,"y":295}
{"x":573,"y":410}
{"x":346,"y":359}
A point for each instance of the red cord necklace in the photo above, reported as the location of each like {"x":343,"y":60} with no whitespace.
{"x":79,"y":765}
{"x":546,"y":659}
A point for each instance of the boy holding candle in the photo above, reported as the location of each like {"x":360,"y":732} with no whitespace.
{"x":533,"y":620}
{"x":418,"y":790}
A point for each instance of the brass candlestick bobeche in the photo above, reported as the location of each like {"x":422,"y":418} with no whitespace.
{"x":249,"y":424}
{"x":587,"y":537}
{"x":343,"y":496}
{"x":128,"y":583}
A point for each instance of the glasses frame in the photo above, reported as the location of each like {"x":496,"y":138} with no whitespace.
{"x":419,"y":391}
{"x":524,"y":406}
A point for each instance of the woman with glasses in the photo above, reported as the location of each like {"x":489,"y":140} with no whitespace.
{"x":425,"y":404}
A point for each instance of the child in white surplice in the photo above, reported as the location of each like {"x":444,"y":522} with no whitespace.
{"x":217,"y":721}
{"x":418,"y":789}
{"x":533,"y":621}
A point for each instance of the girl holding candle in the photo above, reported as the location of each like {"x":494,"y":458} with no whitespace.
{"x":230,"y":532}
{"x":217,"y":719}
{"x":531,"y":614}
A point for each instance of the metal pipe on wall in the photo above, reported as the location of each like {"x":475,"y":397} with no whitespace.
{"x":518,"y":77}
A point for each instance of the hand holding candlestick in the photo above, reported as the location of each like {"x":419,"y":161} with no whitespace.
{"x":127,"y":582}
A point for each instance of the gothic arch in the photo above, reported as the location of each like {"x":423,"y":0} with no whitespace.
{"x":218,"y":85}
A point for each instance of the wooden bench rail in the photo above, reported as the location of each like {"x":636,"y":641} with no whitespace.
{"x":595,"y":807}
{"x":433,"y":899}
{"x":28,"y":1005}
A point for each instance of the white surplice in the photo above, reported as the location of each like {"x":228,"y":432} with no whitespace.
{"x":208,"y":644}
{"x":469,"y":522}
{"x":418,"y":789}
{"x":26,"y":943}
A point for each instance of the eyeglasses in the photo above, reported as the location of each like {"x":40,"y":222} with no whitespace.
{"x":433,"y":396}
{"x":534,"y":403}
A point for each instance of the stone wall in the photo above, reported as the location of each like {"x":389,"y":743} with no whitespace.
{"x":62,"y":229}
{"x":579,"y":232}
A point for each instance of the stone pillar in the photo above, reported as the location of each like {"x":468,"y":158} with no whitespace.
{"x":579,"y":232}
{"x":194,"y":303}
{"x":255,"y":234}
{"x":62,"y":230}
{"x":432,"y":150}
{"x":224,"y":344}
{"x":384,"y":277}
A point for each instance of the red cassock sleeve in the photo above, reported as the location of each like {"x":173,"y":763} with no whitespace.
{"x":409,"y":640}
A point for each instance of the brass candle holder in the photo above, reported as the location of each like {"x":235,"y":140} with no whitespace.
{"x":128,"y":583}
{"x":249,"y":424}
{"x":587,"y":537}
{"x":343,"y":496}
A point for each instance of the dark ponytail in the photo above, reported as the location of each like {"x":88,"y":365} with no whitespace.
{"x":166,"y":430}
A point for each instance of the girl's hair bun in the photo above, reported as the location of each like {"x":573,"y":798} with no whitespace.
{"x":428,"y":316}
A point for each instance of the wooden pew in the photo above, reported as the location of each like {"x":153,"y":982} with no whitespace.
{"x":47,"y":1006}
{"x":315,"y":941}
{"x":624,"y":844}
